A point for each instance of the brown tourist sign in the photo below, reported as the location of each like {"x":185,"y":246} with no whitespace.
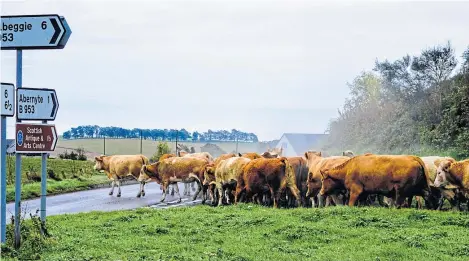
{"x":35,"y":138}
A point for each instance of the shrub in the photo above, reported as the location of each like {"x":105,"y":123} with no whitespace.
{"x":161,"y":148}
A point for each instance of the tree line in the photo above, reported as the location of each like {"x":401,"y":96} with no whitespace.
{"x":94,"y":131}
{"x":416,"y":104}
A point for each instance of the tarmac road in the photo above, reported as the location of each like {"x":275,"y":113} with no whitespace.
{"x":99,"y":200}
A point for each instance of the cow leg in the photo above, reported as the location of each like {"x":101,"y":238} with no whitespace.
{"x":193,"y":187}
{"x":176,"y":188}
{"x":355,"y":192}
{"x":199,"y":188}
{"x":142,"y":190}
{"x":220,"y":193}
{"x":113,"y":184}
{"x":165,"y":188}
{"x":119,"y":183}
{"x":173,"y":186}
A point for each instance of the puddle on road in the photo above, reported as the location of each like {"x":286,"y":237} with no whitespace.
{"x":185,"y":202}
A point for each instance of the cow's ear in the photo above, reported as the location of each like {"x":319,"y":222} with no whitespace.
{"x":240,"y":155}
{"x":446,"y":165}
{"x":437,"y":162}
{"x":99,"y":158}
{"x":306,"y":155}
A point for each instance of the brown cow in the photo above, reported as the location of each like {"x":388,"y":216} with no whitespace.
{"x":398,"y":176}
{"x":301,"y":177}
{"x":315,"y":179}
{"x":274,"y":175}
{"x":177,"y":169}
{"x":454,"y":173}
{"x":117,"y":167}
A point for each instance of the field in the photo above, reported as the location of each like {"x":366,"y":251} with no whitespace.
{"x":249,"y":232}
{"x":63,"y":176}
{"x":132,"y":146}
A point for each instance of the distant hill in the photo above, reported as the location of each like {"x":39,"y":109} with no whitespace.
{"x":95,"y":147}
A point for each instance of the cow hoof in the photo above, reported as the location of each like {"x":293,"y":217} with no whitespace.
{"x":161,"y":201}
{"x":138,"y":195}
{"x":110,"y":193}
{"x":143,"y":194}
{"x":119,"y":195}
{"x":179,"y":201}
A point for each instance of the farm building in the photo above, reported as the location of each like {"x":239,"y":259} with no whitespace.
{"x":296,"y":144}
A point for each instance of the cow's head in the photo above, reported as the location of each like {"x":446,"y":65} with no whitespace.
{"x":443,"y":177}
{"x":269,"y":155}
{"x":99,"y":163}
{"x":251,"y":155}
{"x":209,"y":174}
{"x":150,"y":172}
{"x":328,"y":183}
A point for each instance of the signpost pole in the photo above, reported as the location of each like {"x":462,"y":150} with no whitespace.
{"x":7,"y":110}
{"x":43,"y":185}
{"x":3,"y":150}
{"x":19,"y":84}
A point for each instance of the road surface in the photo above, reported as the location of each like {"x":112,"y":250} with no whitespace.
{"x":99,"y":199}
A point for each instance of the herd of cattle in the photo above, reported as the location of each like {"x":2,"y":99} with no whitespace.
{"x":310,"y":180}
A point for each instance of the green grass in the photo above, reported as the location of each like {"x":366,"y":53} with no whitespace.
{"x":33,"y":190}
{"x":248,"y":232}
{"x":69,"y":176}
{"x":132,"y":146}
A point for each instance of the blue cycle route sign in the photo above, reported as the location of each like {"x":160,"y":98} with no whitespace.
{"x":19,"y":138}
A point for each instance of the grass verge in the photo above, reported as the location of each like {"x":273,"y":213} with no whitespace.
{"x":248,"y":232}
{"x":33,"y":190}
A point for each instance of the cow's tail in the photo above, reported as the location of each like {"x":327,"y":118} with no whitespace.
{"x":290,"y":177}
{"x":144,"y":160}
{"x":426,"y":176}
{"x":424,"y":172}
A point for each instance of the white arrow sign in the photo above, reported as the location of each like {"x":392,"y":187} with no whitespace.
{"x":8,"y":99}
{"x":32,"y":32}
{"x":36,"y":104}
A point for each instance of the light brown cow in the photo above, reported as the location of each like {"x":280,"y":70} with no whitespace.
{"x":227,"y":174}
{"x":177,"y":169}
{"x":454,"y":173}
{"x":449,"y":191}
{"x":117,"y":167}
{"x":251,"y":155}
{"x":274,"y":175}
{"x":201,"y":155}
{"x":399,"y":176}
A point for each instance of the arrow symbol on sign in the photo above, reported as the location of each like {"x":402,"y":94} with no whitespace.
{"x":57,"y":31}
{"x":54,"y":105}
{"x":54,"y":138}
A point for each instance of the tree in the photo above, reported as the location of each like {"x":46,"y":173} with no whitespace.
{"x":161,"y":148}
{"x":67,"y":135}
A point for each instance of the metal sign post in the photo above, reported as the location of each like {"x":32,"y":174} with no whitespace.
{"x":18,"y":32}
{"x":19,"y":83}
{"x":7,"y":109}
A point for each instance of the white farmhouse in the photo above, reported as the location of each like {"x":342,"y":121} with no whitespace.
{"x":296,"y":144}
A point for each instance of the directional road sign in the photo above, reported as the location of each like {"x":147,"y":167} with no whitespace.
{"x":35,"y":138}
{"x":33,"y":32}
{"x":7,"y":99}
{"x":36,"y":104}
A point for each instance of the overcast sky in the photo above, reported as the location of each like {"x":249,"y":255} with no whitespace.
{"x":266,"y":67}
